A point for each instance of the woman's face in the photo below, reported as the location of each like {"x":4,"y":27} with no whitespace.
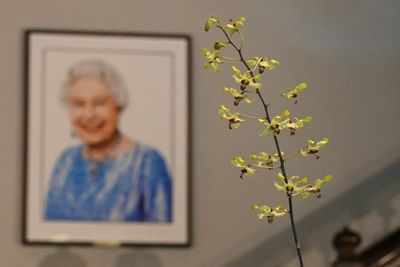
{"x":93,"y":111}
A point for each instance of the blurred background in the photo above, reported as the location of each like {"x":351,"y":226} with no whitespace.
{"x":348,"y":52}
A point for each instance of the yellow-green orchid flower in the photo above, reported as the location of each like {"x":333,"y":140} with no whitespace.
{"x":292,"y":94}
{"x":245,"y":79}
{"x":234,"y":119}
{"x":269,"y":213}
{"x":246,"y":170}
{"x":234,"y":26}
{"x":213,"y":59}
{"x":313,"y":148}
{"x":238,"y":97}
{"x":265,"y":160}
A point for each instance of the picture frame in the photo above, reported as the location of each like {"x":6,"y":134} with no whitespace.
{"x":79,"y":190}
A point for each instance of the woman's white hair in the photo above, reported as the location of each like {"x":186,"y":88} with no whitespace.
{"x":104,"y":72}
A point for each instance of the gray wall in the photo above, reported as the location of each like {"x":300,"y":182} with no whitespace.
{"x":348,"y":51}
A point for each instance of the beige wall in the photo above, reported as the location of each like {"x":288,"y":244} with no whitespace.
{"x":348,"y":51}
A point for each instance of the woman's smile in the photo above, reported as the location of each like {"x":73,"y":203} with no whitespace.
{"x":91,"y":127}
{"x":93,"y":110}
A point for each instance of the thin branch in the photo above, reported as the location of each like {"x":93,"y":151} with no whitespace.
{"x":282,"y":162}
{"x":250,"y":117}
{"x":264,"y":167}
{"x":274,"y":98}
{"x":230,"y":58}
{"x":241,"y":39}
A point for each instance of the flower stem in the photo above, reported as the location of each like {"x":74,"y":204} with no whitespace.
{"x":282,"y":162}
{"x":296,"y":240}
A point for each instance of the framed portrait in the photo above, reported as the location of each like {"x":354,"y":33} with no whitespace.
{"x":107,"y":138}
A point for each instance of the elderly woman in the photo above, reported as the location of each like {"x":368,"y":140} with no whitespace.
{"x":109,"y":176}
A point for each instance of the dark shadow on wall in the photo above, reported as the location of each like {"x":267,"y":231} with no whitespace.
{"x":373,"y":195}
{"x":63,"y":258}
{"x":138,"y":258}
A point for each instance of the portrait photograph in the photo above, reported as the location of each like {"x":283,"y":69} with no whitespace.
{"x":107,"y":138}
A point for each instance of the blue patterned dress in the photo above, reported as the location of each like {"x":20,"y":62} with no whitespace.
{"x":135,"y":186}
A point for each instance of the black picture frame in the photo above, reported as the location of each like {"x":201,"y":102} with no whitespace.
{"x":156,"y":71}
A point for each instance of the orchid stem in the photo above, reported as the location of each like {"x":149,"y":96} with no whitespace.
{"x":282,"y":162}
